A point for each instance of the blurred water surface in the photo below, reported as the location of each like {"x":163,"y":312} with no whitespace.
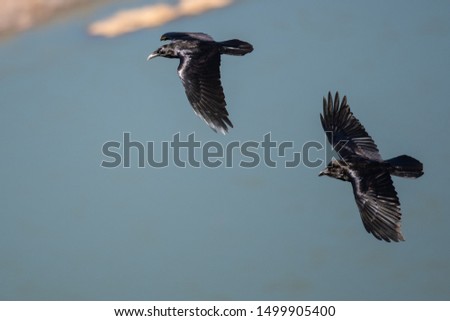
{"x":72,"y":230}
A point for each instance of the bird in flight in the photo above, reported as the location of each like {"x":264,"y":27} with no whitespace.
{"x":199,"y":70}
{"x":361,"y":164}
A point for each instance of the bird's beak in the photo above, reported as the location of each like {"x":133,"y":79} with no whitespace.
{"x":152,"y":55}
{"x":323,"y":172}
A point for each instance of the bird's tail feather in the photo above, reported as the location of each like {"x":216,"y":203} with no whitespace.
{"x":235,"y":47}
{"x":405,"y":166}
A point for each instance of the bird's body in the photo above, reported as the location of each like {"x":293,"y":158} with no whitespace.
{"x":199,"y":70}
{"x":362,"y":165}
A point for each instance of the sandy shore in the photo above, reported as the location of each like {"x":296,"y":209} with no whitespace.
{"x":151,"y":16}
{"x":18,"y":15}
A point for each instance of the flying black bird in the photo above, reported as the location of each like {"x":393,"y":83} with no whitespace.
{"x":362,"y":165}
{"x":199,"y":70}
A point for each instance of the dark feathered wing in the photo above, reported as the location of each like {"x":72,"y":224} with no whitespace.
{"x":200,"y":74}
{"x":344,"y":131}
{"x":378,"y":204}
{"x":186,"y":36}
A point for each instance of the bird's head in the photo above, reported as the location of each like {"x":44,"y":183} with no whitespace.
{"x":166,"y":51}
{"x":336,"y":169}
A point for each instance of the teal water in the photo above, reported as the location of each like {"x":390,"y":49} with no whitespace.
{"x":72,"y":230}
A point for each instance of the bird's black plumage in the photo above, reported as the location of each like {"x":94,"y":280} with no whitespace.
{"x":362,"y":165}
{"x":199,"y":70}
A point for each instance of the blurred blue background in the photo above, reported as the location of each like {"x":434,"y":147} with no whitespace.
{"x":72,"y":230}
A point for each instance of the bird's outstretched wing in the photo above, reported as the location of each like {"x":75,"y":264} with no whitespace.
{"x":344,"y":131}
{"x":378,"y":204}
{"x":186,"y":36}
{"x":200,"y":74}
